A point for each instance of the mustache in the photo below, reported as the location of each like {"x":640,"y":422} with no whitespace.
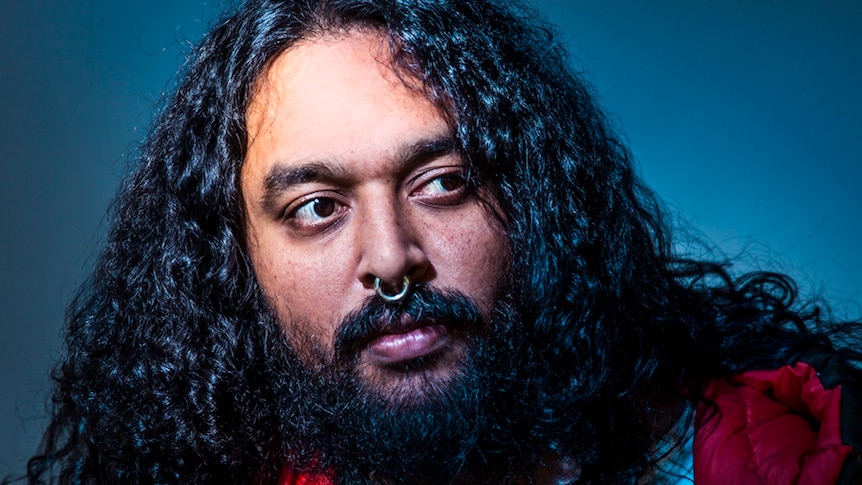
{"x":425,"y":306}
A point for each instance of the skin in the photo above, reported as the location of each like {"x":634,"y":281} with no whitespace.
{"x":350,"y":176}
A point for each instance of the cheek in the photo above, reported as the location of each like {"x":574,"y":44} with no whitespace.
{"x":477,"y":256}
{"x":296,"y":282}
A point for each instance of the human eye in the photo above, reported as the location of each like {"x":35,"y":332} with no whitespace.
{"x":442,"y":187}
{"x":315,"y":214}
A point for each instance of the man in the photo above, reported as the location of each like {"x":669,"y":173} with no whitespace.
{"x":396,"y":242}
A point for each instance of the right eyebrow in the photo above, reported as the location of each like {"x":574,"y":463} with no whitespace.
{"x":282,"y":178}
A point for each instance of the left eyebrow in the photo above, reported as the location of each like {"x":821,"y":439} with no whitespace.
{"x":416,"y":153}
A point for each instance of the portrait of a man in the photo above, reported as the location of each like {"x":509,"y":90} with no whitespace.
{"x":401,"y":242}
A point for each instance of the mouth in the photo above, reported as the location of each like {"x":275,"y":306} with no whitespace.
{"x":408,"y":341}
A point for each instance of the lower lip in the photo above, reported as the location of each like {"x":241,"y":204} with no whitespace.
{"x":401,"y":347}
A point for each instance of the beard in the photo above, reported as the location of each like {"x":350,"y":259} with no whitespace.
{"x":427,"y":420}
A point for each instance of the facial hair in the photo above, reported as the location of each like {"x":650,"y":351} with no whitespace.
{"x":470,"y":427}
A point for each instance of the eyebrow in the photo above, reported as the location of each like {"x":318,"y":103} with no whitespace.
{"x":424,"y":149}
{"x":283,"y":177}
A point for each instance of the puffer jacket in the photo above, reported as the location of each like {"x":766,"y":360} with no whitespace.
{"x":797,"y":424}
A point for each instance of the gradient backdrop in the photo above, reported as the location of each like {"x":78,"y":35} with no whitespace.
{"x":743,"y":115}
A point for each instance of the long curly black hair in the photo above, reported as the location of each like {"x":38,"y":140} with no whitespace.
{"x":164,"y":377}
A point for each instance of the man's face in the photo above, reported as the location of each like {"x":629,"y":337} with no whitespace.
{"x":352,"y":176}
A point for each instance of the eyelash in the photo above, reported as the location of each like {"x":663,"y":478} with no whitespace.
{"x":292,"y":216}
{"x":448,"y":197}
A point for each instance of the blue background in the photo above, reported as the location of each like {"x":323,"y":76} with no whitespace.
{"x":742,"y":115}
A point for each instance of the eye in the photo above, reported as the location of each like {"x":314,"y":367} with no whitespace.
{"x":447,"y":183}
{"x":447,"y":188}
{"x":315,"y":214}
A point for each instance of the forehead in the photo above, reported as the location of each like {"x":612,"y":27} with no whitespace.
{"x":334,"y":91}
{"x":324,"y":64}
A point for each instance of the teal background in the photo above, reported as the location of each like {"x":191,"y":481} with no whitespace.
{"x":743,"y":115}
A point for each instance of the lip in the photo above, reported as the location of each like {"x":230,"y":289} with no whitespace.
{"x":413,"y":343}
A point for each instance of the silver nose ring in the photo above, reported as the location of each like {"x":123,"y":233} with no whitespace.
{"x":405,"y":289}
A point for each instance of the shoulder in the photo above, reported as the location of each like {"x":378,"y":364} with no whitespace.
{"x":795,"y":423}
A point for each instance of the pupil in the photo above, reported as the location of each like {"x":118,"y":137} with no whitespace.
{"x":323,"y":207}
{"x":451,"y":182}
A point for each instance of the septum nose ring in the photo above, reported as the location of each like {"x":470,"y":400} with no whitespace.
{"x":405,"y":289}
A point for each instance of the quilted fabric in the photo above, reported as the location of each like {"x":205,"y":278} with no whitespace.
{"x":291,"y":477}
{"x":770,"y":427}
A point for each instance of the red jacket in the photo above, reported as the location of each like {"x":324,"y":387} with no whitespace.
{"x":796,"y":424}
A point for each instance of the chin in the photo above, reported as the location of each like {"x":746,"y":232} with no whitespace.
{"x":413,"y":383}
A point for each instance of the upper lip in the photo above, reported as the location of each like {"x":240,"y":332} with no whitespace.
{"x":401,"y":324}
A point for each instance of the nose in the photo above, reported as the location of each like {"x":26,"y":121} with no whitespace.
{"x":390,"y":248}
